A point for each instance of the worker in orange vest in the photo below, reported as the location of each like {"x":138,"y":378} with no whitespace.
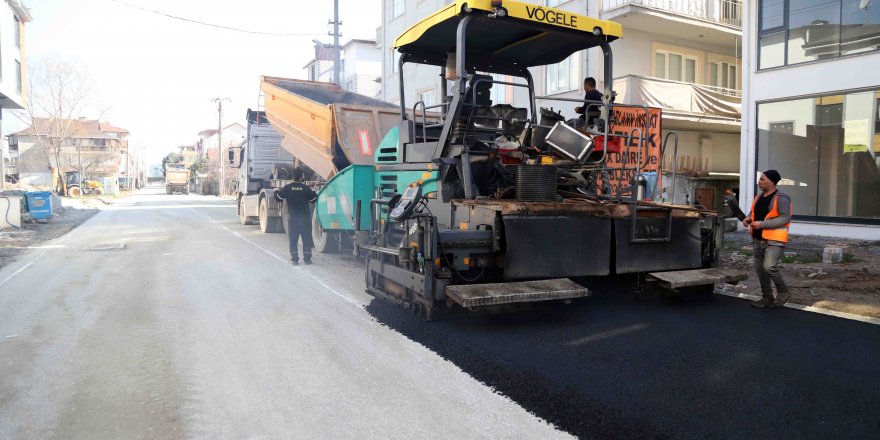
{"x":768,"y":223}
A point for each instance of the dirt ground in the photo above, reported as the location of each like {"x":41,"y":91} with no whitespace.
{"x":14,"y":242}
{"x":852,"y":286}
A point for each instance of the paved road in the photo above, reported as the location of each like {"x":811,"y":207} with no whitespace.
{"x":198,"y":328}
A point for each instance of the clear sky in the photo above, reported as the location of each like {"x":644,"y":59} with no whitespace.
{"x":157,"y":75}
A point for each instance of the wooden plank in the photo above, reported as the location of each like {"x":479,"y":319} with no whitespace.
{"x":698,"y":277}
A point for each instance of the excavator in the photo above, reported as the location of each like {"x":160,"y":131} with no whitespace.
{"x":74,"y":184}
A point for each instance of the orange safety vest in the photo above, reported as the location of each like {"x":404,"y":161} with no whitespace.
{"x":780,"y":234}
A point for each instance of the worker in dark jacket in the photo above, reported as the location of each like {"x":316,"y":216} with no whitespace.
{"x":299,"y":216}
{"x":768,"y":223}
{"x":589,"y":112}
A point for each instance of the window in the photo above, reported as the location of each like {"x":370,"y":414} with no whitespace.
{"x":722,"y":75}
{"x":675,"y":66}
{"x":782,"y":127}
{"x":555,"y":3}
{"x":395,"y":60}
{"x":564,"y":76}
{"x":426,"y":96}
{"x":397,"y":7}
{"x":18,"y":76}
{"x":499,"y":91}
{"x":16,"y":29}
{"x":793,"y":32}
{"x":828,"y":151}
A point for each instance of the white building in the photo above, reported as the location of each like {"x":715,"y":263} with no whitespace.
{"x":361,"y":66}
{"x":423,"y":82}
{"x":13,"y":16}
{"x":812,"y":111}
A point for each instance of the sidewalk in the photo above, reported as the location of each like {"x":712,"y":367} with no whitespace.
{"x":852,"y":286}
{"x":14,"y":242}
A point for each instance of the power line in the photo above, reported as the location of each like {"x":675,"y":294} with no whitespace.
{"x":219,"y":26}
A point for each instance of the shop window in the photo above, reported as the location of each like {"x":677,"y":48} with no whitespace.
{"x":826,"y":149}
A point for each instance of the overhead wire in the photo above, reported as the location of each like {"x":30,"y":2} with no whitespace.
{"x":214,"y":25}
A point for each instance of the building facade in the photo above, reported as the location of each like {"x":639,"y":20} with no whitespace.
{"x":684,"y":57}
{"x":423,"y":83}
{"x":812,"y":111}
{"x":13,"y":84}
{"x":361,"y":66}
{"x":95,"y":148}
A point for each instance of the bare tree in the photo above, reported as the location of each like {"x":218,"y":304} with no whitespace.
{"x":59,"y":93}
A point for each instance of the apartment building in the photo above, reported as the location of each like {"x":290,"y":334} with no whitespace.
{"x":361,"y":66}
{"x":812,"y":111}
{"x":96,"y":148}
{"x":13,"y":17}
{"x":423,"y":82}
{"x":684,"y":57}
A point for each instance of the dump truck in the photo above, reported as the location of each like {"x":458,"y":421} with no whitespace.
{"x":176,"y":179}
{"x":318,"y":126}
{"x":486,"y":207}
{"x":263,"y":167}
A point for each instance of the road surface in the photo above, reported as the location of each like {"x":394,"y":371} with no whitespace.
{"x":163,"y":317}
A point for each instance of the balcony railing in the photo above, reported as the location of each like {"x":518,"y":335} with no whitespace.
{"x":726,"y":12}
{"x":677,"y":96}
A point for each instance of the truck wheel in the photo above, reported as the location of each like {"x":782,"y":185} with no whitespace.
{"x":99,"y":192}
{"x":242,"y":213}
{"x":326,"y":242}
{"x":268,"y":224}
{"x":74,"y":191}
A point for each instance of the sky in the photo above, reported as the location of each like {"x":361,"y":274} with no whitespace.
{"x":156,"y":76}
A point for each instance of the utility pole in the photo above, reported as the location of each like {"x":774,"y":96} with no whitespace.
{"x":337,"y":66}
{"x":221,"y":187}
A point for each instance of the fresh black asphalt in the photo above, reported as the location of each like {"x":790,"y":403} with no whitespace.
{"x":614,"y":366}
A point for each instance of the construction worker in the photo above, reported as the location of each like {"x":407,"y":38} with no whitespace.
{"x":768,"y":223}
{"x":299,"y":216}
{"x":589,"y":112}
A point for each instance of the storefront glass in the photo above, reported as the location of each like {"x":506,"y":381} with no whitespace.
{"x":828,"y":152}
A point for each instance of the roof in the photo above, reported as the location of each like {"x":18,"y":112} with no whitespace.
{"x":357,"y":41}
{"x":77,"y":128}
{"x":526,"y":35}
{"x":208,"y":133}
{"x":107,"y":127}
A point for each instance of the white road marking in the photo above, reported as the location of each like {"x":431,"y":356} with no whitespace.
{"x":819,"y":310}
{"x":282,"y":260}
{"x":22,"y":269}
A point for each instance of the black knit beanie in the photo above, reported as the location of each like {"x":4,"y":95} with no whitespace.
{"x":773,"y":175}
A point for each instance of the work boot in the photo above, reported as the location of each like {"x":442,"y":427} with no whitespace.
{"x":781,"y":298}
{"x":762,"y":303}
{"x":307,"y":262}
{"x":294,"y":262}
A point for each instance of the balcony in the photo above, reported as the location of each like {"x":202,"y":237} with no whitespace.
{"x":714,"y":21}
{"x":694,"y":106}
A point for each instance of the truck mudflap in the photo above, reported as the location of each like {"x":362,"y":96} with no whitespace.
{"x":697,"y":277}
{"x":493,"y":294}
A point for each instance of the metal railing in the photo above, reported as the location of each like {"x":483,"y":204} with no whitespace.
{"x":726,"y":12}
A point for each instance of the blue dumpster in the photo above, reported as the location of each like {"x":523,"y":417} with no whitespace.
{"x":39,"y":204}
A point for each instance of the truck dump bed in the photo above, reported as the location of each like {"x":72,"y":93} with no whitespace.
{"x":324,"y":126}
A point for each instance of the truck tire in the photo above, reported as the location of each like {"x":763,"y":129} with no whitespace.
{"x":326,"y":242}
{"x":99,"y":192}
{"x":74,"y":191}
{"x":242,"y":213}
{"x":268,"y":224}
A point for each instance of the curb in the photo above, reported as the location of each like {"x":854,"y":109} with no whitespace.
{"x":811,"y":309}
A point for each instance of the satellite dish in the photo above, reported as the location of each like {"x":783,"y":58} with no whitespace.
{"x":864,"y":4}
